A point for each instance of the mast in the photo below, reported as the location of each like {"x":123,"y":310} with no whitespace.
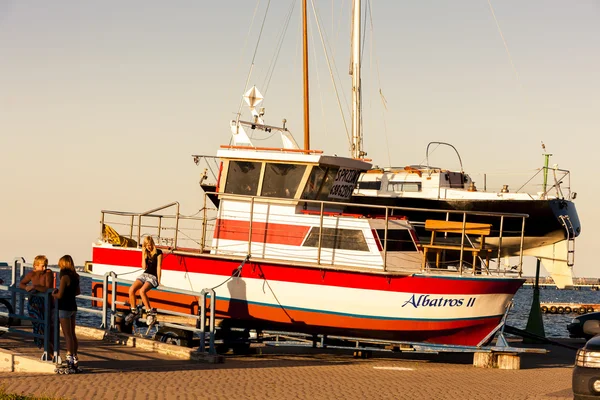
{"x":305,"y":71}
{"x":357,"y":151}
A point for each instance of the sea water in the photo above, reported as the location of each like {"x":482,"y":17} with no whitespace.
{"x":555,"y":325}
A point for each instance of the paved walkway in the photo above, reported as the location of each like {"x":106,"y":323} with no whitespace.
{"x":117,"y":372}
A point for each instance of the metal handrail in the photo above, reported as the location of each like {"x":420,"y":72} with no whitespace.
{"x":389,"y":212}
{"x":111,"y":279}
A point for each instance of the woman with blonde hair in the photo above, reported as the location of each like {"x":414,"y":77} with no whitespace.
{"x":39,"y":281}
{"x":149,"y":279}
{"x":67,"y":306}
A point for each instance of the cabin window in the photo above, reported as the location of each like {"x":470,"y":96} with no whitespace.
{"x":243,"y":177}
{"x":370,"y":185}
{"x":397,"y":240}
{"x":282,"y":180}
{"x":334,"y":238}
{"x":404,"y":187}
{"x":311,"y":191}
{"x":328,"y":184}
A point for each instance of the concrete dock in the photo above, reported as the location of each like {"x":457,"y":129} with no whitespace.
{"x":115,"y":371}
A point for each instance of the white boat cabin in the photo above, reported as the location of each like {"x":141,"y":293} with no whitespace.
{"x":289,"y":205}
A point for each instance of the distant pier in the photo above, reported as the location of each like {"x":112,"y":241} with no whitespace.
{"x":578,"y":283}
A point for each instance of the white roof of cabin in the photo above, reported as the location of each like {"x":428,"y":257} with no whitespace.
{"x":295,"y":157}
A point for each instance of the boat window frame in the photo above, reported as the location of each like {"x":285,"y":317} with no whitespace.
{"x":331,"y":236}
{"x":298,"y":183}
{"x":249,"y":190}
{"x":392,"y":184}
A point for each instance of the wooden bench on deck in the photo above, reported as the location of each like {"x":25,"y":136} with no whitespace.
{"x":470,"y":228}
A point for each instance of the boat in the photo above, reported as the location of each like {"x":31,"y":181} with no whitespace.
{"x":551,"y":228}
{"x":286,"y":249}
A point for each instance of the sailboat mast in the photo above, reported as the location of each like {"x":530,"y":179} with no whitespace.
{"x":305,"y":72}
{"x":357,"y":151}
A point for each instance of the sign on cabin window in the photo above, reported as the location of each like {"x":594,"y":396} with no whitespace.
{"x":334,"y":238}
{"x":282,"y":180}
{"x":344,"y":184}
{"x":243,"y":177}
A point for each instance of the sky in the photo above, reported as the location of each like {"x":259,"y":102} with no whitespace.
{"x":102,"y":104}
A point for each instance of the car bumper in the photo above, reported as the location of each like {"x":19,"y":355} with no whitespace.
{"x":575,"y":330}
{"x":583,"y":382}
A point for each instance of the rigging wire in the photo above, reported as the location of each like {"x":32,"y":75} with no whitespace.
{"x":510,"y":59}
{"x":252,"y":64}
{"x":314,"y":49}
{"x":282,"y":33}
{"x":327,"y":58}
{"x":381,"y":96}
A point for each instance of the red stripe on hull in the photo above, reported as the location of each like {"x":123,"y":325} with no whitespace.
{"x":419,"y":284}
{"x":270,"y":233}
{"x":466,"y":332}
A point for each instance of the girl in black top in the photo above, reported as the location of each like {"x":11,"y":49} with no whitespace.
{"x":150,"y":279}
{"x":67,"y":307}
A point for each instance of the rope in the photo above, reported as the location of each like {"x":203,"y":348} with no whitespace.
{"x":235,"y":274}
{"x":273,"y":293}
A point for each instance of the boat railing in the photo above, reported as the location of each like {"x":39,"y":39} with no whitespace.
{"x":195,"y":233}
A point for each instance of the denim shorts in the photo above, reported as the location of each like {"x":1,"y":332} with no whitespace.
{"x":66,"y":314}
{"x":148,"y":278}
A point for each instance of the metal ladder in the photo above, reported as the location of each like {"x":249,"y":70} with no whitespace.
{"x":568,"y":225}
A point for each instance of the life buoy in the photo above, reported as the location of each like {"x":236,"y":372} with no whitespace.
{"x":544,"y":309}
{"x":553,"y":309}
{"x":590,"y":309}
{"x":560,"y":309}
{"x":568,"y":310}
{"x":581,"y":310}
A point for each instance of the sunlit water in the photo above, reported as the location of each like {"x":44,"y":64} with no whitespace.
{"x":555,"y":325}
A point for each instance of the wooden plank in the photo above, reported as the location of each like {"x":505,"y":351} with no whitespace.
{"x":471,"y":228}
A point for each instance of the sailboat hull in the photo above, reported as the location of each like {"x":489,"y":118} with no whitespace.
{"x":459,"y":310}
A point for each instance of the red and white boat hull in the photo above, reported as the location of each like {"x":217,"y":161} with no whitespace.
{"x":268,"y":295}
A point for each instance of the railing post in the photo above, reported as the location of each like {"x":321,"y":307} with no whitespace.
{"x":521,"y":248}
{"x":159,"y":226}
{"x":131,"y":228}
{"x":102,"y":224}
{"x":104,"y":300}
{"x":385,"y":239}
{"x":57,"y":359}
{"x":113,"y":305}
{"x":320,"y":235}
{"x":176,"y":227}
{"x":211,"y":343}
{"x":500,"y":244}
{"x":462,"y":246}
{"x":202,"y":322}
{"x":250,"y":227}
{"x":47,"y":325}
{"x":204,"y":226}
{"x":139,"y":233}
